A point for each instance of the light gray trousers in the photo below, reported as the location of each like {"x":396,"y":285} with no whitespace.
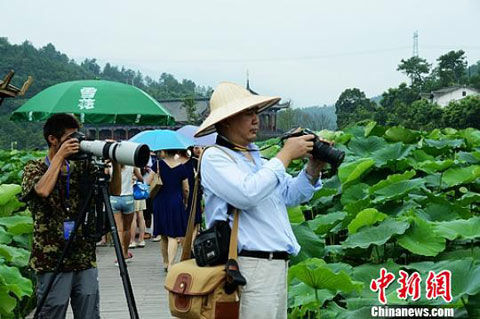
{"x":81,"y":287}
{"x":265,"y":295}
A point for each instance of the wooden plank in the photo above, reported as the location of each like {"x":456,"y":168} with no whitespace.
{"x":147,"y":277}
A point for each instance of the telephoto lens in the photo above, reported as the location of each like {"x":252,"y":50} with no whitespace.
{"x":125,"y":152}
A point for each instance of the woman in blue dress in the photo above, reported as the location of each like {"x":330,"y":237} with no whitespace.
{"x":170,"y":217}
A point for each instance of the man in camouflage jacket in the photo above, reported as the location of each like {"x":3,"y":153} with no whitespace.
{"x":52,"y":189}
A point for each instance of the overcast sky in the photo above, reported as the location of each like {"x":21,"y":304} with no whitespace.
{"x":306,"y":51}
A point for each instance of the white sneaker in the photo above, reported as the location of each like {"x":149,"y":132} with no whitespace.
{"x":158,"y":238}
{"x":133,"y":244}
{"x":141,"y":244}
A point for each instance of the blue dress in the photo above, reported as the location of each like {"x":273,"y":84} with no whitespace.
{"x":191,"y":167}
{"x":169,"y":216}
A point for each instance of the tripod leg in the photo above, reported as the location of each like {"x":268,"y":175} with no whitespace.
{"x":66,"y":250}
{"x":127,"y":286}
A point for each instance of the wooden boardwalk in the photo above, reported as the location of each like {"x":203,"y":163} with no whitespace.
{"x":147,"y":277}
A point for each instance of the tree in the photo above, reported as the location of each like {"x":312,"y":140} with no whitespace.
{"x":353,"y":106}
{"x":91,"y":65}
{"x":402,"y":94}
{"x":286,"y":119}
{"x":475,"y":81}
{"x":463,"y":113}
{"x":420,"y":115}
{"x":452,"y":68}
{"x":393,"y":104}
{"x":414,"y":68}
{"x":191,"y":108}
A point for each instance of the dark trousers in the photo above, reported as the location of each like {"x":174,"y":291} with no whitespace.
{"x":147,"y":213}
{"x":80,"y":287}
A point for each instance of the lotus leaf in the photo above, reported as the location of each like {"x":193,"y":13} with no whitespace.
{"x":469,"y":158}
{"x":472,"y":136}
{"x":460,"y":228}
{"x":324,"y":223}
{"x":8,"y":191}
{"x":366,"y":217}
{"x":364,"y":147}
{"x":314,"y":273}
{"x":11,"y":206}
{"x":354,"y":193}
{"x":16,"y":256}
{"x":445,"y":143}
{"x":391,"y":179}
{"x":311,"y":245}
{"x":421,"y":239}
{"x":5,"y":238}
{"x":7,"y":302}
{"x":295,"y":214}
{"x":376,"y":235}
{"x":352,"y":171}
{"x":301,"y":294}
{"x":14,"y":280}
{"x":460,"y":175}
{"x":392,"y":153}
{"x":397,"y":190}
{"x":431,"y":167}
{"x":401,"y":134}
{"x":17,"y":225}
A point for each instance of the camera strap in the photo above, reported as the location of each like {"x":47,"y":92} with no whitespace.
{"x":66,"y":203}
{"x":223,"y":141}
{"x":187,"y":243}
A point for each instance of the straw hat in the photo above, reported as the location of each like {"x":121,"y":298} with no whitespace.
{"x":229,"y":99}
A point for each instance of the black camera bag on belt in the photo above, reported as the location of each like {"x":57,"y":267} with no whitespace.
{"x":210,"y":247}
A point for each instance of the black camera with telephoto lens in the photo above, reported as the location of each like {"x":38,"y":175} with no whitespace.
{"x":322,"y":151}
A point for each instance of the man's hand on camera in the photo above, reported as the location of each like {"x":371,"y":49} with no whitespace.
{"x":69,"y":147}
{"x":294,"y":148}
{"x":314,"y":168}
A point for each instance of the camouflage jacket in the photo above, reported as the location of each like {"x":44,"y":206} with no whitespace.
{"x":49,"y":215}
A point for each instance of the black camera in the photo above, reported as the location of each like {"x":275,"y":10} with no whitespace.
{"x":322,"y":151}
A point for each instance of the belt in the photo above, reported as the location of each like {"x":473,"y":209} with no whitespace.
{"x":283,"y":255}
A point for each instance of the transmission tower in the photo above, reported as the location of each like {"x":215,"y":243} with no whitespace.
{"x":415,"y":43}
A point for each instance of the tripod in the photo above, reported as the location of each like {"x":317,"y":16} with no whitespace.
{"x":99,"y":192}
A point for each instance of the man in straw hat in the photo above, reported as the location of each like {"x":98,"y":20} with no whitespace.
{"x":260,"y":189}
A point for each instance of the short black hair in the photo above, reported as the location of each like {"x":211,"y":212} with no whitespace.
{"x":171,"y":152}
{"x":183,"y":153}
{"x":57,"y":124}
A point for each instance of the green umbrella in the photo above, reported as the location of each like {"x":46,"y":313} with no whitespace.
{"x":95,"y":102}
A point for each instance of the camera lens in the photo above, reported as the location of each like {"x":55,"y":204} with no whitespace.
{"x":324,"y":152}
